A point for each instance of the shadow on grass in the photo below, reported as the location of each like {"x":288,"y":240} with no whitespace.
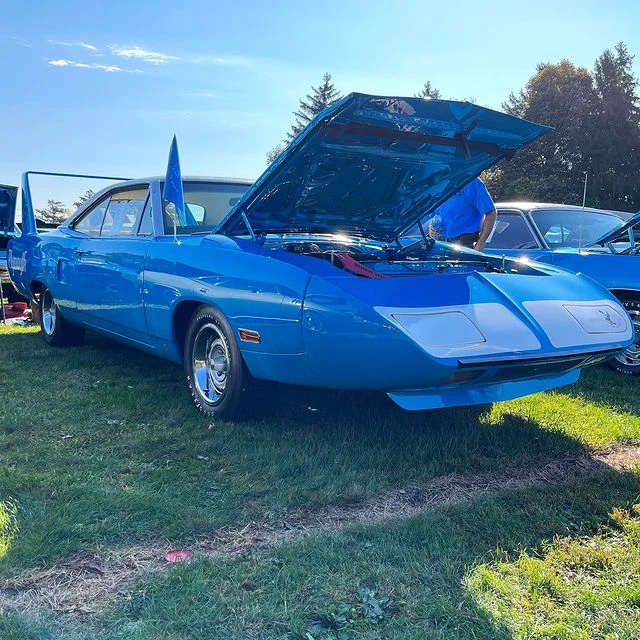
{"x":102,"y":445}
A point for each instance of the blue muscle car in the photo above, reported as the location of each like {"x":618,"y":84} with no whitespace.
{"x":303,"y":277}
{"x":598,"y":243}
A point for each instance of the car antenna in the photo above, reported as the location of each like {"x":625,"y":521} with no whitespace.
{"x":584,"y":199}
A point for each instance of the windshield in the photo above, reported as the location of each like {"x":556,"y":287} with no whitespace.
{"x":574,"y":228}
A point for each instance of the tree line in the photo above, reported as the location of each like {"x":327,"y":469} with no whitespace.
{"x":595,"y":115}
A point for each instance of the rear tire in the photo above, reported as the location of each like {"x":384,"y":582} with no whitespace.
{"x":56,"y":331}
{"x":213,"y":366}
{"x":628,"y":361}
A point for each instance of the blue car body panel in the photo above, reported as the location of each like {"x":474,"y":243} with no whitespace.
{"x":335,"y":298}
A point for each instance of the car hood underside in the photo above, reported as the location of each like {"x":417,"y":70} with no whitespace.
{"x":373,"y":166}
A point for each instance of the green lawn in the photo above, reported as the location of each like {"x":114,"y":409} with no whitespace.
{"x":101,"y":449}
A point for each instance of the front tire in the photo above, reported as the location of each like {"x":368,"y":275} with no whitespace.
{"x":628,"y":361}
{"x":56,"y":331}
{"x":213,"y":365}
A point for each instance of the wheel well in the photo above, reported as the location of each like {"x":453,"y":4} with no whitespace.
{"x":626,"y":294}
{"x":36,"y":287}
{"x":181,"y":317}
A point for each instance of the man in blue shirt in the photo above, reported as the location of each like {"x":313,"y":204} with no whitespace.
{"x":466,"y":218}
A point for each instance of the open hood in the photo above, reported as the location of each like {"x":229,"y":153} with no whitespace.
{"x":8,"y":198}
{"x":614,"y":233}
{"x":372,"y":166}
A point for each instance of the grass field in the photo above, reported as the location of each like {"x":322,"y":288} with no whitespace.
{"x":338,"y":517}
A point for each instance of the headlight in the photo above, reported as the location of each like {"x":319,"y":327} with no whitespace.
{"x":448,"y":329}
{"x":571,"y":324}
{"x":465,"y":330}
{"x":598,"y":318}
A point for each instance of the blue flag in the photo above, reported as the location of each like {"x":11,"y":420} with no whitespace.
{"x":172,"y":194}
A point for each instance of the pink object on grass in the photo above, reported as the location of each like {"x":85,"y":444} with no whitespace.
{"x":178,"y":555}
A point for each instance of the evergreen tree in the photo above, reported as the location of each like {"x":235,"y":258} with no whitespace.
{"x":613,"y":174}
{"x":54,"y":212}
{"x":274,"y":153}
{"x":83,"y":198}
{"x":320,"y":98}
{"x":428,"y":92}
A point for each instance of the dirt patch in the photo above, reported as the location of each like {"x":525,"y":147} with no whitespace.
{"x":89,"y":582}
{"x":84,"y":584}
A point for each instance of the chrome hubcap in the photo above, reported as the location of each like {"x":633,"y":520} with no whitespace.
{"x":49,"y":311}
{"x":210,"y":363}
{"x":630,"y":357}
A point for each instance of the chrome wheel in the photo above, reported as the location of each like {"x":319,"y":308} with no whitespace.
{"x":49,"y":312}
{"x":210,"y":363}
{"x":630,"y":357}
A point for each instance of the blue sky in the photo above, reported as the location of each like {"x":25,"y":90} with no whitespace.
{"x":101,"y":87}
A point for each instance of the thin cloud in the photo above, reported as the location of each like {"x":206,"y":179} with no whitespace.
{"x":21,"y":41}
{"x":227,"y":61}
{"x":108,"y":68}
{"x":138,"y":53}
{"x":203,"y":94}
{"x":64,"y":43}
{"x":259,"y":66}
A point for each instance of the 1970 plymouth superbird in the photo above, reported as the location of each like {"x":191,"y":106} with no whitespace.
{"x":303,"y":277}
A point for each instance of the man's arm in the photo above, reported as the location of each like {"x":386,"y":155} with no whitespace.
{"x":487,"y":227}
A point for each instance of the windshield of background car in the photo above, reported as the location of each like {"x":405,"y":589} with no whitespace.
{"x":573,"y":228}
{"x":206,"y":203}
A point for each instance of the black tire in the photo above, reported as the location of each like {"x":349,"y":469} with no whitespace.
{"x":55,"y":330}
{"x":628,"y":361}
{"x":216,"y":374}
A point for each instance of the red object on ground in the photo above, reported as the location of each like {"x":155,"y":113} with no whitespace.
{"x":15,"y":309}
{"x":178,"y":555}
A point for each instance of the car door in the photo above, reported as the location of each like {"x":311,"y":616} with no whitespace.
{"x":111,"y":265}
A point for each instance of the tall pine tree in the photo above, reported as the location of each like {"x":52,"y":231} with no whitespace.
{"x":615,"y":160}
{"x":320,"y":98}
{"x":428,"y":92}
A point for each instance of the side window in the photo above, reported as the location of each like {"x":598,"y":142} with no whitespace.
{"x":511,"y":232}
{"x":146,"y":223}
{"x":124,"y":212}
{"x":91,"y":222}
{"x":206,"y":203}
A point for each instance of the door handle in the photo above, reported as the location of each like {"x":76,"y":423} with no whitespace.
{"x":81,"y":252}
